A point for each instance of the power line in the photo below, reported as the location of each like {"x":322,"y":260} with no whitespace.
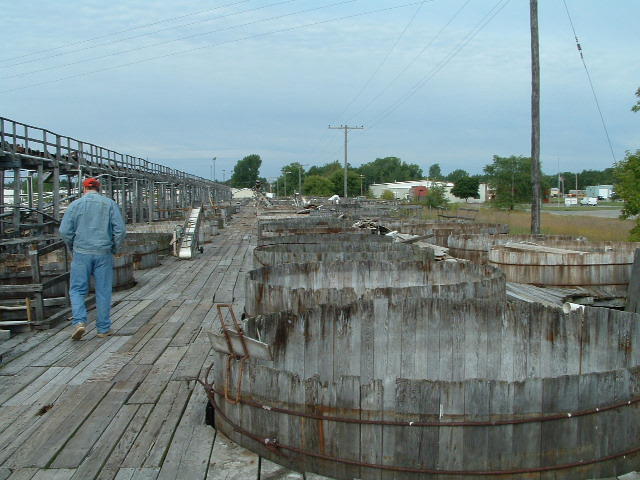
{"x":593,"y":90}
{"x":413,"y":61}
{"x":485,"y":20}
{"x":375,"y":72}
{"x":146,"y":34}
{"x":187,"y":37}
{"x":384,"y":60}
{"x":190,"y":50}
{"x":497,"y":8}
{"x":139,"y":27}
{"x":410,"y":64}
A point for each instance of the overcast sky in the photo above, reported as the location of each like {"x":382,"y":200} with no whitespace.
{"x":431,"y":81}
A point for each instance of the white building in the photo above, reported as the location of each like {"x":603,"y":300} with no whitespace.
{"x":402,"y":190}
{"x":242,"y":193}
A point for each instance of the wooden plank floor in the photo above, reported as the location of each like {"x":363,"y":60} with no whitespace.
{"x":128,"y":407}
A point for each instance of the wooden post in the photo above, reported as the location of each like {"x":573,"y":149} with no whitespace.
{"x":134,"y":203}
{"x":1,"y":200}
{"x":16,"y":200}
{"x":535,"y":120}
{"x":123,"y":200}
{"x":150,"y":200}
{"x":37,"y":279}
{"x":40,"y":192}
{"x":56,"y":180}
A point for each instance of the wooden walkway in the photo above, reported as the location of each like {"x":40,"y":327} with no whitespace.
{"x":128,"y":407}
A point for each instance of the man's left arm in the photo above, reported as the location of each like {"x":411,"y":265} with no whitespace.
{"x":117,"y":227}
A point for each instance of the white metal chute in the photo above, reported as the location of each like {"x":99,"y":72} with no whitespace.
{"x":189,"y":241}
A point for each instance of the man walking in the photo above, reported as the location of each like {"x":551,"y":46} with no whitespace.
{"x":93,"y":229}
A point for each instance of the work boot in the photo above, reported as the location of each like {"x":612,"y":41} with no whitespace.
{"x":78,"y":332}
{"x":108,"y":333}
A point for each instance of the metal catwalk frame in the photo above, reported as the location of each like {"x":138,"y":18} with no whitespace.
{"x":145,"y":191}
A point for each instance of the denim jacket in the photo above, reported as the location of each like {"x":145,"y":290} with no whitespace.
{"x":93,"y":225}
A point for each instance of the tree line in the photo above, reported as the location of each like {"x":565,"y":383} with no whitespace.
{"x":509,"y":177}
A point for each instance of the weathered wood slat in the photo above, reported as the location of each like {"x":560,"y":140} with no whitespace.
{"x":158,"y":377}
{"x":82,"y":441}
{"x":22,"y":474}
{"x":54,"y":474}
{"x":28,"y":422}
{"x":11,"y":385}
{"x":122,"y":448}
{"x":150,"y":447}
{"x":99,"y":453}
{"x":50,"y":437}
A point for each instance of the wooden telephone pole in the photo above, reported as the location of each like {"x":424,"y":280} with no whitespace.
{"x":346,"y":134}
{"x":535,"y":120}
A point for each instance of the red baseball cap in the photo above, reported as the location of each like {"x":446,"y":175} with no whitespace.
{"x":91,"y":183}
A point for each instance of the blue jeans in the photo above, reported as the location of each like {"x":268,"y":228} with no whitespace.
{"x":82,"y":267}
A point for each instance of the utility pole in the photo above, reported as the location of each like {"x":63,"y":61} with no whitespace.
{"x":286,"y":172}
{"x":300,"y":177}
{"x":213,"y":179}
{"x":535,"y":119}
{"x":346,"y":132}
{"x":361,"y":191}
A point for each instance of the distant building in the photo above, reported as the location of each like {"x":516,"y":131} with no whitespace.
{"x":601,"y":192}
{"x":242,"y":193}
{"x":417,"y":188}
{"x":418,"y":192}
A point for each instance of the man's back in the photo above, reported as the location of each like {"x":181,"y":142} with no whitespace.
{"x":93,"y":225}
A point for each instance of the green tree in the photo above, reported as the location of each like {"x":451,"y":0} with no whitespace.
{"x":636,"y":107}
{"x":593,"y":177}
{"x":353,"y":182}
{"x":246,"y":171}
{"x":435,"y":197}
{"x":295,"y":175}
{"x":627,"y":174}
{"x":510,"y":177}
{"x":317,"y":185}
{"x":288,"y":180}
{"x":389,"y":169}
{"x":435,"y":173}
{"x":456,"y":175}
{"x":466,"y":187}
{"x":387,"y":195}
{"x":326,"y":170}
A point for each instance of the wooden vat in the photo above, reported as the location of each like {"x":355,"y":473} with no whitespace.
{"x":559,"y":263}
{"x":144,"y":252}
{"x":440,"y":231}
{"x":324,"y":251}
{"x":304,"y":225}
{"x":476,"y":246}
{"x":300,"y":286}
{"x":438,"y":388}
{"x":358,"y":235}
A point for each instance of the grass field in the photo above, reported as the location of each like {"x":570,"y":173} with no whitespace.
{"x":519,"y":221}
{"x":593,"y":228}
